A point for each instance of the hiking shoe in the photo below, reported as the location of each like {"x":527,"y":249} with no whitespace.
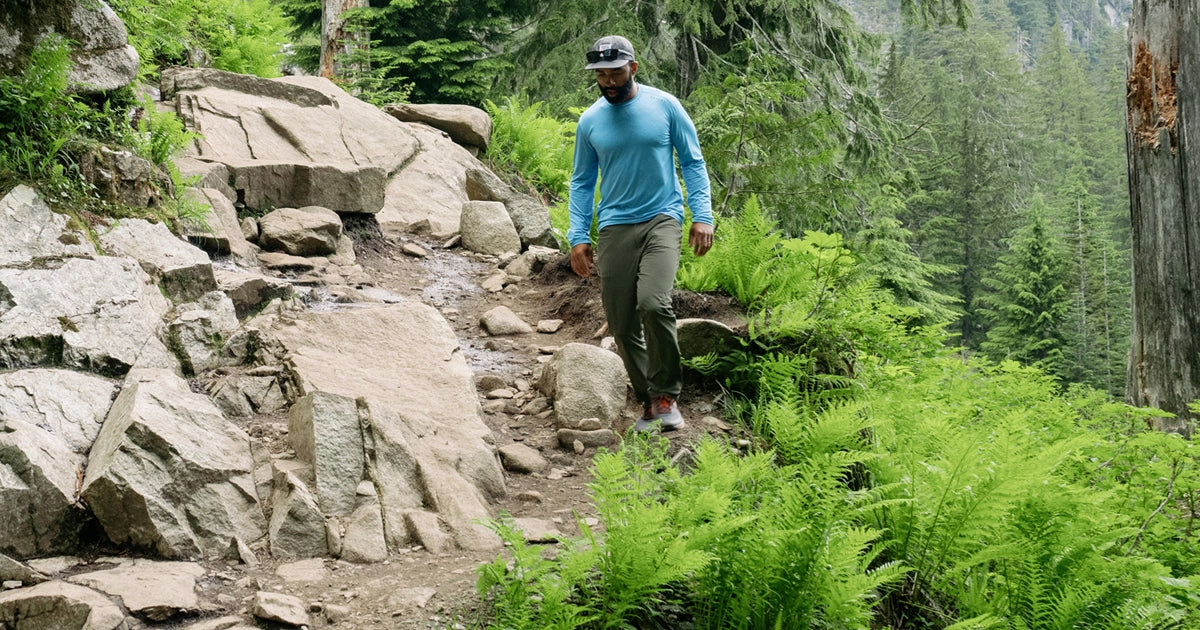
{"x":647,"y":422}
{"x":667,"y":412}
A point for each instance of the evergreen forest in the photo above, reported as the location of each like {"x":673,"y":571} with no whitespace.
{"x":923,"y":208}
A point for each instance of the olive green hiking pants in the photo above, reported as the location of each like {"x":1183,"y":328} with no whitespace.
{"x":637,"y":265}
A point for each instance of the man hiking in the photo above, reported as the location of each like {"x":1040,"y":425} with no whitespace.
{"x":630,"y":139}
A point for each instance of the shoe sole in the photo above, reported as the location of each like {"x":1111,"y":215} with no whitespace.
{"x":642,"y":426}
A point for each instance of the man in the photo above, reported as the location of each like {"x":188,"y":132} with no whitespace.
{"x":630,"y":138}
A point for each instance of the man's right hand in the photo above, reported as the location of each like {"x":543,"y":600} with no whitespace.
{"x":582,"y":260}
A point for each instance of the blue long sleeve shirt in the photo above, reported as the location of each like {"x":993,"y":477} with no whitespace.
{"x":632,"y":145}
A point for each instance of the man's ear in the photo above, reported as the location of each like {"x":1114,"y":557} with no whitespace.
{"x":632,"y":68}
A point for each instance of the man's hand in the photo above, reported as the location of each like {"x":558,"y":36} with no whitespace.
{"x":700,"y":238}
{"x":582,"y":260}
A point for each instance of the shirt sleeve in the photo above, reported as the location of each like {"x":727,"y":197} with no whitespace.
{"x":582,"y":198}
{"x":691,"y":163}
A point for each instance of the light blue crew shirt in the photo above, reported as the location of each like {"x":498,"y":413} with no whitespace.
{"x":632,"y":145}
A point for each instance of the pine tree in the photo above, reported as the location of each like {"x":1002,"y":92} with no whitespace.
{"x":1029,"y":302}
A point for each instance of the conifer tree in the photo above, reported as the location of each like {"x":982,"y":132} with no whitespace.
{"x":1029,"y":302}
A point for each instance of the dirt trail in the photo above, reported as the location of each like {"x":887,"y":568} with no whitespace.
{"x":416,"y":588}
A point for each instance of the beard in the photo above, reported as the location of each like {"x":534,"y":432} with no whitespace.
{"x":617,"y":94}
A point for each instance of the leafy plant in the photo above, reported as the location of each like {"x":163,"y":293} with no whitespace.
{"x":244,"y":36}
{"x":538,"y":147}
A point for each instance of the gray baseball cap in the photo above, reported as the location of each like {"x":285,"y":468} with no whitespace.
{"x":610,"y":51}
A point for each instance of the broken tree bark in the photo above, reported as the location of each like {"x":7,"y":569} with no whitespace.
{"x":335,"y":40}
{"x":1163,"y":101}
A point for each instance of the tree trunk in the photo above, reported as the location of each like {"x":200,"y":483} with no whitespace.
{"x":1163,"y":101}
{"x":335,"y":41}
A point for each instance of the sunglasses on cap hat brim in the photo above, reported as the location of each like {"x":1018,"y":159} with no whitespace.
{"x":608,"y":54}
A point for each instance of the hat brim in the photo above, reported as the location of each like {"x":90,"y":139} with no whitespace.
{"x":600,"y":65}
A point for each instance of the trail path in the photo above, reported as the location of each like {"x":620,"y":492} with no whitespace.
{"x":419,"y":589}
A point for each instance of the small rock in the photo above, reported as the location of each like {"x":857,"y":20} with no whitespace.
{"x":495,"y":406}
{"x":336,"y":614}
{"x":549,"y":326}
{"x":601,"y":332}
{"x":536,"y":530}
{"x":522,"y":385}
{"x":9,"y":585}
{"x":716,"y":423}
{"x":579,"y":447}
{"x":520,"y":458}
{"x":590,"y":439}
{"x":414,"y":250}
{"x":502,"y":393}
{"x":609,"y":343}
{"x":556,"y":474}
{"x":502,"y":321}
{"x":494,"y":283}
{"x":280,"y":608}
{"x":489,"y":382}
{"x":531,"y":496}
{"x":548,"y":349}
{"x":452,"y":242}
{"x":589,"y":424}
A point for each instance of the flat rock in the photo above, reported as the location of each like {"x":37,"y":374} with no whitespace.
{"x":465,"y":124}
{"x":29,"y":229}
{"x":101,"y":315}
{"x":520,"y":458}
{"x":66,"y":403}
{"x":280,"y":608}
{"x":538,"y":530}
{"x":311,"y":570}
{"x":408,"y":599}
{"x":58,"y":606}
{"x":403,"y":366}
{"x":154,"y":590}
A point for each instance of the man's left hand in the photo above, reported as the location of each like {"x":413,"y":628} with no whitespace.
{"x":700,"y":238}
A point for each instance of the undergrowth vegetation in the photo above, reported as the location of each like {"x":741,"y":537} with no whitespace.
{"x":892,"y":483}
{"x":46,"y":130}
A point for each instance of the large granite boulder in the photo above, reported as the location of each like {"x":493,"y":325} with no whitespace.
{"x":169,"y":474}
{"x":416,"y":402}
{"x":426,"y":197}
{"x":585,"y":382}
{"x":101,"y":56}
{"x":487,"y":228}
{"x":64,"y":403}
{"x":529,"y":216}
{"x":291,"y":142}
{"x":59,"y":606}
{"x":184,"y":270}
{"x":29,"y":230}
{"x":101,"y":315}
{"x":38,"y":474}
{"x":466,"y":125}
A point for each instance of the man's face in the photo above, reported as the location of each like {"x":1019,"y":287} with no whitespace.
{"x":616,"y":84}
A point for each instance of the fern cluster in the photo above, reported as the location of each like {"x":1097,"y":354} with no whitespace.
{"x":45,"y":129}
{"x":817,"y":320}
